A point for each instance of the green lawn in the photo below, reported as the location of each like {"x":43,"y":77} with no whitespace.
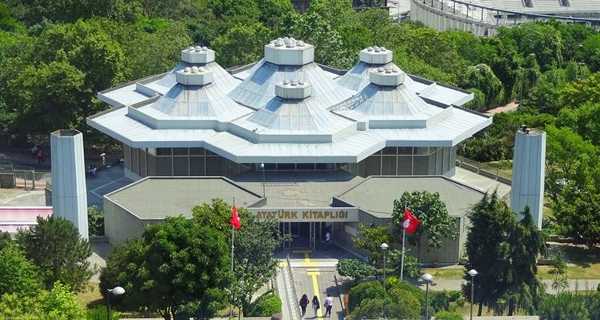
{"x":445,"y":273}
{"x":584,"y":271}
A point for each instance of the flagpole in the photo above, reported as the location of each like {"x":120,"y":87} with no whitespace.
{"x":402,"y":258}
{"x":232,"y":253}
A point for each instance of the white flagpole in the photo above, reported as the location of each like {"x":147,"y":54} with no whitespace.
{"x":402,"y":258}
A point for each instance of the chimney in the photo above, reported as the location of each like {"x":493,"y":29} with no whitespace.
{"x":528,"y":173}
{"x":69,"y":196}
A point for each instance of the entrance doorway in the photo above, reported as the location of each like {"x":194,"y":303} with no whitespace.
{"x":305,"y":235}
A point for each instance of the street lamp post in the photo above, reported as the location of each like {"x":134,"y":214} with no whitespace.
{"x":473,"y":273}
{"x":117,"y":291}
{"x":262,"y":167}
{"x":384,"y":246}
{"x":428,"y":279}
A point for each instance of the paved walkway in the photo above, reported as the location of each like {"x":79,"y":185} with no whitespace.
{"x":314,"y":273}
{"x":480,"y":182}
{"x":574,"y":284}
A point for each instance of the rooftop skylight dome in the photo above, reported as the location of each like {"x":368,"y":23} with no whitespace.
{"x":196,"y":100}
{"x":287,"y":59}
{"x":293,"y":116}
{"x":387,"y":103}
{"x":371,"y":57}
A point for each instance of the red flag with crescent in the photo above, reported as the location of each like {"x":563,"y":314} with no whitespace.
{"x":235,"y":219}
{"x":410,"y":222}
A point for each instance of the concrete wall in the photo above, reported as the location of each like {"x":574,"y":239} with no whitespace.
{"x":119,"y":224}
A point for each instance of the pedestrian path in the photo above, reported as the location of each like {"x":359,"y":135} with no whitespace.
{"x":314,"y":276}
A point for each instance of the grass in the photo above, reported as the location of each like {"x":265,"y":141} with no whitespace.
{"x":585,"y":271}
{"x":446,"y":273}
{"x":502,"y":168}
{"x":591,"y":271}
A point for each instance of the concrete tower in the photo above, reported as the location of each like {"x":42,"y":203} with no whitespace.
{"x":69,"y":197}
{"x":529,"y":172}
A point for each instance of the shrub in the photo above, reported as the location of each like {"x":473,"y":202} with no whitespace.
{"x":363,"y":291}
{"x":265,"y":306}
{"x":443,"y":300}
{"x":562,"y":306}
{"x":355,"y":269}
{"x":447,"y":315}
{"x":100,"y":313}
{"x":95,"y":221}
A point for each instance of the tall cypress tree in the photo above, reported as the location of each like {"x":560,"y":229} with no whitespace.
{"x":504,"y":252}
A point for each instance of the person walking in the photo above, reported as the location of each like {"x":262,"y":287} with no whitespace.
{"x":328,"y":305}
{"x":303,"y":303}
{"x":316,"y":304}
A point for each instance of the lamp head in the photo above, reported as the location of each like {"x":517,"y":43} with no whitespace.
{"x":473,"y":273}
{"x":117,"y":291}
{"x":384,"y":246}
{"x":427,"y":277}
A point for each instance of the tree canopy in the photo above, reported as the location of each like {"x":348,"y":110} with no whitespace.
{"x":55,"y":246}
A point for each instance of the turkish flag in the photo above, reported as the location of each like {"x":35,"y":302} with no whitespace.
{"x":235,"y":219}
{"x":410,"y":222}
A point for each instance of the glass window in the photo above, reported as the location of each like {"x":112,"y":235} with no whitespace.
{"x":424,"y":150}
{"x":373,"y":166}
{"x":389,"y":150}
{"x":439,"y":161}
{"x":285,"y":166}
{"x":305,"y":166}
{"x":163,"y":151}
{"x":421,"y":165}
{"x":127,"y":156}
{"x":197,"y":166}
{"x":163,"y":166}
{"x":405,"y":150}
{"x":180,"y":151}
{"x":388,"y":165}
{"x":211,"y":154}
{"x":197,"y":151}
{"x":143,"y":169}
{"x":180,"y":166}
{"x":404,"y":166}
{"x":215,"y":167}
{"x":151,"y":161}
{"x":135,"y":165}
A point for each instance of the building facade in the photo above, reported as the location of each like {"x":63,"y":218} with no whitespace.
{"x":288,"y":129}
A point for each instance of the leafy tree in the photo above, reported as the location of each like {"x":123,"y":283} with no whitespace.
{"x":526,"y":78}
{"x":255,"y":242}
{"x":369,"y":239}
{"x":573,"y":182}
{"x":579,"y":92}
{"x":49,"y":93}
{"x":175,"y":263}
{"x":242,"y":44}
{"x":541,"y":39}
{"x":254,"y":262}
{"x":55,"y":246}
{"x":436,"y":224}
{"x":412,"y":268}
{"x":58,"y":303}
{"x":585,"y":120}
{"x":355,"y":269}
{"x":482,"y":78}
{"x":17,"y":274}
{"x":562,"y":306}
